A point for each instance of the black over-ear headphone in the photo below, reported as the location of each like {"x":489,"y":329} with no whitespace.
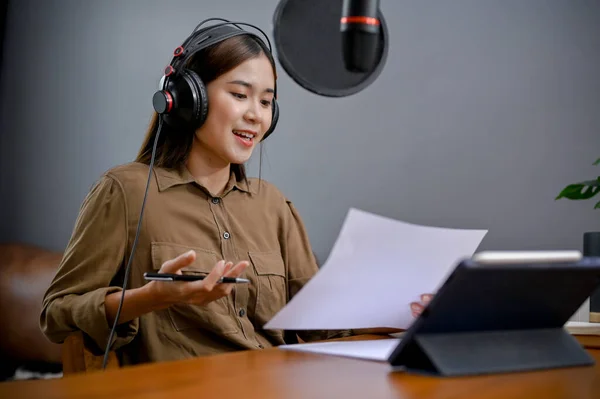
{"x":181,"y":99}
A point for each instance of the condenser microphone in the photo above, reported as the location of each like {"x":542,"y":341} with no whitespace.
{"x":359,"y":26}
{"x":310,"y":50}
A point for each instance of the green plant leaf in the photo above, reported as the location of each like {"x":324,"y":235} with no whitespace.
{"x":597,"y":162}
{"x":581,"y":191}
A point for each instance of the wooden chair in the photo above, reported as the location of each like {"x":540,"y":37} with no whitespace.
{"x":77,"y":358}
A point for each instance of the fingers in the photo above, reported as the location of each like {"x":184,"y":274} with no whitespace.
{"x":228,"y":267}
{"x":426,"y":298}
{"x":210,"y":283}
{"x":175,"y":264}
{"x":213,"y":277}
{"x":416,"y":308}
{"x":238,"y":269}
{"x":209,"y":289}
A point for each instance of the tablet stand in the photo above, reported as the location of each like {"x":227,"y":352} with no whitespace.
{"x":484,"y":352}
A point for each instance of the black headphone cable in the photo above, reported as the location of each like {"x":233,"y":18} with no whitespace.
{"x":137,"y":234}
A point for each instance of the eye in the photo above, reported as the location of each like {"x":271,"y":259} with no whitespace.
{"x":266,"y":103}
{"x":238,"y":95}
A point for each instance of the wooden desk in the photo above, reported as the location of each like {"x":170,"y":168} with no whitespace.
{"x":275,"y":373}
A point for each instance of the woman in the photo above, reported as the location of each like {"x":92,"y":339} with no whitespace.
{"x":202,"y":216}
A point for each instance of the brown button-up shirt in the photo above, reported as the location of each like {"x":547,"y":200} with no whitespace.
{"x":250,"y":221}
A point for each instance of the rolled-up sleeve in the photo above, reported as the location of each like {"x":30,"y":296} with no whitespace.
{"x":87,"y":273}
{"x":301,"y":267}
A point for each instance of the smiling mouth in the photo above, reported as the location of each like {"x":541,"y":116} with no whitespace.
{"x":244,"y":137}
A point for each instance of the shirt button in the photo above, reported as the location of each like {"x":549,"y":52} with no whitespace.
{"x":242,"y":312}
{"x":226,"y":235}
{"x":215,"y":200}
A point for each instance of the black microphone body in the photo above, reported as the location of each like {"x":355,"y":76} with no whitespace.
{"x":359,"y":26}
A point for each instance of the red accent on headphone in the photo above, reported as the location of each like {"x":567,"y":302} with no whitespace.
{"x":169,"y":99}
{"x":169,"y":70}
{"x":178,"y":51}
{"x":360,"y":20}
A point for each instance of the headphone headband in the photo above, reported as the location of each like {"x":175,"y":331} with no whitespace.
{"x":236,"y":24}
{"x":200,"y":39}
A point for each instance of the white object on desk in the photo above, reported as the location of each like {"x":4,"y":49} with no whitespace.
{"x":376,"y":268}
{"x":582,"y":328}
{"x":377,"y":350}
{"x":508,"y":257}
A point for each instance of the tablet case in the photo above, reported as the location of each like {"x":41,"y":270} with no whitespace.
{"x":500,"y":318}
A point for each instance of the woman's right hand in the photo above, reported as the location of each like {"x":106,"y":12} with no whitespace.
{"x":199,"y":292}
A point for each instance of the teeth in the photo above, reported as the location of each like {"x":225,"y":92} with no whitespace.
{"x":243,"y":134}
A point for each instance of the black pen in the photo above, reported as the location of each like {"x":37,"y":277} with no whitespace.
{"x":190,"y":277}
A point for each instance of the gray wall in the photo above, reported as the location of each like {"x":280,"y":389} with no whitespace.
{"x":484,"y":111}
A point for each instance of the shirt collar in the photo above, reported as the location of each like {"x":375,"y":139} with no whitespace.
{"x":167,"y":178}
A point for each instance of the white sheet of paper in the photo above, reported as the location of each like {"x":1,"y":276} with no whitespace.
{"x":377,"y":266}
{"x":378,"y":349}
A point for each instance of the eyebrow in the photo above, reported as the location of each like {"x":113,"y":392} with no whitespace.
{"x":248,"y":85}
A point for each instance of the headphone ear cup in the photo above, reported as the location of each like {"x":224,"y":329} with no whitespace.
{"x":200,"y":108}
{"x":274,"y":119}
{"x":190,"y":101}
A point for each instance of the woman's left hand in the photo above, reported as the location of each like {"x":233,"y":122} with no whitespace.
{"x":417,"y":307}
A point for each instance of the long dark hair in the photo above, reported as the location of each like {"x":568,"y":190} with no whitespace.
{"x":174,"y":145}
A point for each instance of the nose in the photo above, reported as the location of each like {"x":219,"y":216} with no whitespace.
{"x":253,"y":113}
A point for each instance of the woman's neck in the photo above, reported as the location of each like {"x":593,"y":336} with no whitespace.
{"x":208,"y":170}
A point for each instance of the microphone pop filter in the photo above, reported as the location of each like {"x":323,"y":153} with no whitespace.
{"x":309,"y":47}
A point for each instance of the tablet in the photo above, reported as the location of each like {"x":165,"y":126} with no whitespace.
{"x":491,"y":316}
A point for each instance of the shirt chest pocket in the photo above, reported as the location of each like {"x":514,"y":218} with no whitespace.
{"x":271,"y":288}
{"x":215,"y":316}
